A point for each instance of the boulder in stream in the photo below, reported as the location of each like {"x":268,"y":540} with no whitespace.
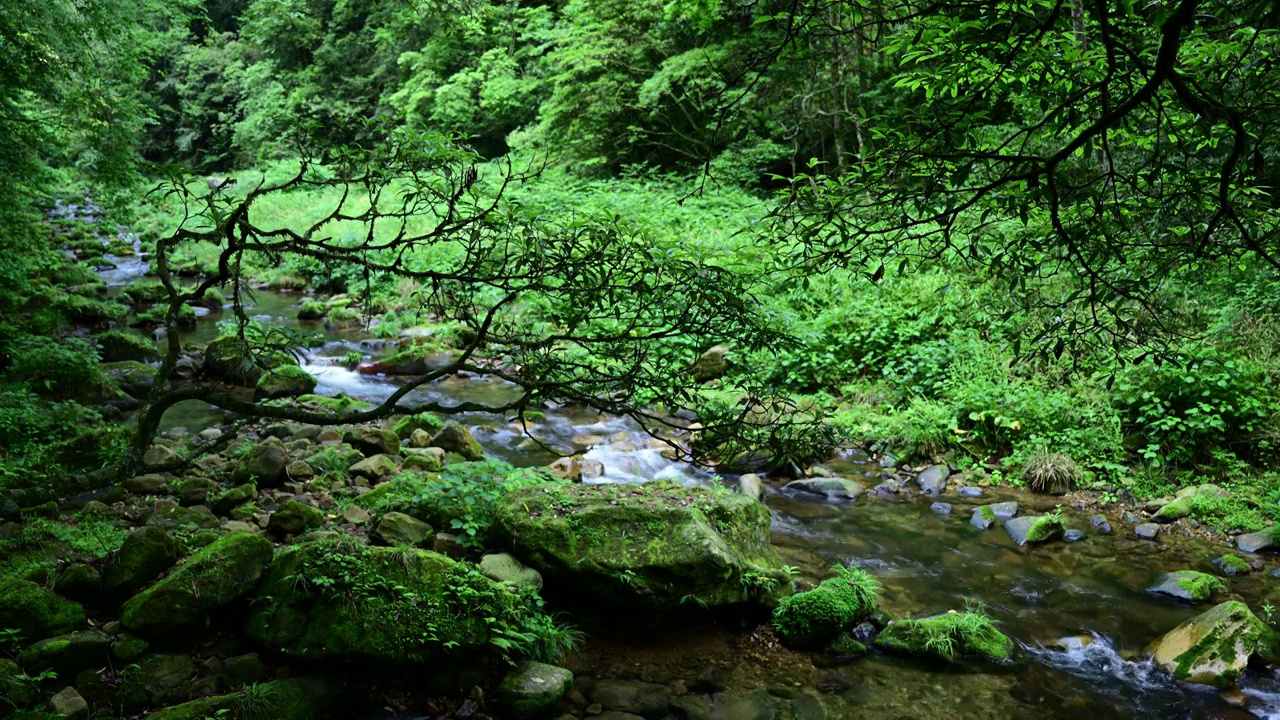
{"x":1188,"y":585}
{"x":950,"y":636}
{"x":1034,"y":529}
{"x":1214,"y":647}
{"x":1185,"y":502}
{"x":933,"y":481}
{"x":1258,"y":541}
{"x":657,"y":545}
{"x":832,"y":489}
{"x":812,"y":619}
{"x":984,"y":516}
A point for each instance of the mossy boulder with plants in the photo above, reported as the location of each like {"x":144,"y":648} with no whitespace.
{"x":36,"y":613}
{"x":217,"y":575}
{"x":132,"y":377}
{"x":145,"y":291}
{"x":339,"y":599}
{"x":230,"y":359}
{"x":462,"y":498}
{"x":948,"y":637}
{"x":147,"y":552}
{"x":1191,"y":501}
{"x":655,"y":545}
{"x":278,"y":700}
{"x":285,"y":381}
{"x":312,"y":310}
{"x":159,"y":315}
{"x":116,"y":345}
{"x":338,"y":404}
{"x":813,"y":618}
{"x":1188,"y":585}
{"x":1214,"y":647}
{"x":1035,"y":529}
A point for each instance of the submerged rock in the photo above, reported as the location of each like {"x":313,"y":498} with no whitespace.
{"x":1214,"y":647}
{"x":941,"y":508}
{"x":1188,"y":585}
{"x":208,"y":580}
{"x":532,"y":688}
{"x":1100,"y":522}
{"x":1034,"y":529}
{"x":338,"y":599}
{"x":949,"y":637}
{"x":655,"y":545}
{"x":827,"y":488}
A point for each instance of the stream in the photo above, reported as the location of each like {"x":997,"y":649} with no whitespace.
{"x":1079,"y":610}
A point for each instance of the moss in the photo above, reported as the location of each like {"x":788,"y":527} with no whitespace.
{"x":1199,"y":585}
{"x":1230,"y":630}
{"x":145,"y":291}
{"x":294,"y":517}
{"x":121,"y":345}
{"x":810,"y":619}
{"x":987,"y":513}
{"x":285,"y":381}
{"x":712,"y":548}
{"x":338,"y":404}
{"x":338,"y":599}
{"x":312,"y":310}
{"x":211,"y":578}
{"x":948,"y":637}
{"x":1045,"y":528}
{"x":1233,"y":565}
{"x":276,"y":700}
{"x":427,"y":421}
{"x":35,"y":612}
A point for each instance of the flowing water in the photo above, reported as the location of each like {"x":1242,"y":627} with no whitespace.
{"x":1079,"y":609}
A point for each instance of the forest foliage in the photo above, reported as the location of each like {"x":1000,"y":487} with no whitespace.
{"x":980,"y":231}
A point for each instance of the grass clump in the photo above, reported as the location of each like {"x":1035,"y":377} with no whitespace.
{"x":1051,"y":472}
{"x":948,"y":637}
{"x":810,"y":619}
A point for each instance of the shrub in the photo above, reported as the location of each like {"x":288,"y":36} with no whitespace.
{"x":1050,"y":472}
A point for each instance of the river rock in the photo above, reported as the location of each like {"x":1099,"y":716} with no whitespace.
{"x":228,"y":360}
{"x":712,"y":364}
{"x":504,"y":568}
{"x":984,"y":516}
{"x":397,"y":528}
{"x":828,"y":488}
{"x":1214,"y":647}
{"x":144,"y":554}
{"x":1188,"y":585}
{"x":1258,"y":541}
{"x":1100,"y":522}
{"x":160,"y":457}
{"x":35,"y":612}
{"x":294,"y":517}
{"x":151,"y":484}
{"x":264,"y":464}
{"x":284,"y":381}
{"x":970,"y":491}
{"x":632,"y":696}
{"x":69,"y":704}
{"x":374,"y":468}
{"x":1147,"y":531}
{"x":947,"y":637}
{"x":941,"y":508}
{"x":1232,"y":565}
{"x":1073,"y":535}
{"x":1034,"y":529}
{"x":566,"y":468}
{"x":933,"y":481}
{"x":279,"y":700}
{"x":1184,"y":503}
{"x":220,"y":573}
{"x":68,"y":653}
{"x":132,"y":377}
{"x":532,"y":688}
{"x":372,"y":441}
{"x":654,"y":545}
{"x":176,"y":517}
{"x":457,"y":439}
{"x":750,"y":485}
{"x":381,"y":605}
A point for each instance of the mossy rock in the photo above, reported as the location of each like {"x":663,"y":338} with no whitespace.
{"x":336,"y":405}
{"x":1188,"y":585}
{"x":15,"y":686}
{"x":948,"y":637}
{"x":1188,"y":500}
{"x":1034,"y":529}
{"x":294,"y":517}
{"x":228,"y":359}
{"x":656,"y":545}
{"x":132,"y":377}
{"x":285,"y":381}
{"x":1233,"y":565}
{"x":208,"y":580}
{"x":145,"y":291}
{"x":811,"y":619}
{"x":312,"y":310}
{"x":278,"y":700}
{"x":531,"y":689}
{"x":337,"y":599}
{"x":116,"y":345}
{"x":454,"y":438}
{"x":405,"y":426}
{"x":147,"y":552}
{"x":35,"y":612}
{"x":1214,"y":647}
{"x":68,"y":653}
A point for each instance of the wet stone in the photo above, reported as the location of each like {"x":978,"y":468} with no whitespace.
{"x":1073,"y":535}
{"x":1257,"y":541}
{"x":632,"y":696}
{"x":933,"y":481}
{"x":941,"y":508}
{"x":831,"y":489}
{"x":1100,"y":522}
{"x":969,"y":491}
{"x":1147,"y":531}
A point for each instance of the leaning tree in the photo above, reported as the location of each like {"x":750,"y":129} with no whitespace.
{"x":582,"y":309}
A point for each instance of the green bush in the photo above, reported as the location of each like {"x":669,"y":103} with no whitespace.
{"x":66,"y":369}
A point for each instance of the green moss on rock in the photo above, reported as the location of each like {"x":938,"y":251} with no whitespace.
{"x":208,"y":580}
{"x":337,"y":599}
{"x":35,"y":612}
{"x":1188,"y":585}
{"x":285,"y":381}
{"x":277,"y":700}
{"x":1214,"y":647}
{"x":655,"y":545}
{"x":948,"y":637}
{"x":813,"y":618}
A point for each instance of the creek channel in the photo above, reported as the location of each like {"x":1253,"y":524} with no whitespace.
{"x":1079,"y":610}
